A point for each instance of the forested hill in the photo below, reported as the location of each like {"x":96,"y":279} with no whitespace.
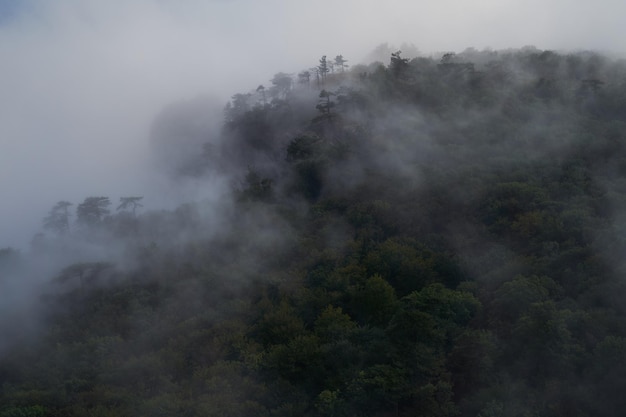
{"x":432,"y":236}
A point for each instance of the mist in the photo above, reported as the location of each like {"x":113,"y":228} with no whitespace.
{"x":82,"y":81}
{"x":438,"y":233}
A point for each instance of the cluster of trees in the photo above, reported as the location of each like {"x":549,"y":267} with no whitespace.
{"x":446,"y":241}
{"x":93,"y":211}
{"x":282,"y":86}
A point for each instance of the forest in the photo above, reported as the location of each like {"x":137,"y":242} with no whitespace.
{"x":428,"y":236}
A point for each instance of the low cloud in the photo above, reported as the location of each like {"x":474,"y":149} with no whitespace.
{"x":82,"y":81}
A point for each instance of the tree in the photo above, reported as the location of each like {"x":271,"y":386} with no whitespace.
{"x":83,"y":273}
{"x":375,"y":301}
{"x":57,"y":219}
{"x":333,"y":324}
{"x":256,"y":187}
{"x":340,"y":62}
{"x":261,"y":90}
{"x":237,"y":107}
{"x":303,"y":147}
{"x":281,"y":85}
{"x":304,"y":77}
{"x":398,"y":65}
{"x":26,"y":411}
{"x":318,"y":80}
{"x":323,"y":68}
{"x":91,"y":212}
{"x":325,"y":104}
{"x":130,"y":202}
{"x":589,"y":87}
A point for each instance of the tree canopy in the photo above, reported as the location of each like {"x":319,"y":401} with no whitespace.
{"x":449,"y":243}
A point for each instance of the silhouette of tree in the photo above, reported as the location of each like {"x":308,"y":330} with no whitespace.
{"x":92,"y":211}
{"x":281,"y":85}
{"x":130,"y":202}
{"x":318,"y":80}
{"x":340,"y":62}
{"x":261,"y":90}
{"x":398,"y":65}
{"x":304,"y":77}
{"x":325,"y":103}
{"x":323,"y":68}
{"x":237,"y":107}
{"x":57,"y":219}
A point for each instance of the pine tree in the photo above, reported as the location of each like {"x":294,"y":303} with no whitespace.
{"x":57,"y":219}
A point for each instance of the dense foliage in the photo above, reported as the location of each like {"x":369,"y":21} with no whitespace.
{"x":432,"y":237}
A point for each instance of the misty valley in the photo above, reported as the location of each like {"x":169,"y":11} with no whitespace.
{"x":425,"y":236}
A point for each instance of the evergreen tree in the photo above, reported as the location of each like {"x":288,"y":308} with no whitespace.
{"x":92,"y":211}
{"x":57,"y":219}
{"x":304,"y":77}
{"x":340,"y":62}
{"x":398,"y":65}
{"x":325,"y":104}
{"x":261,"y":90}
{"x":130,"y":202}
{"x":323,"y":69}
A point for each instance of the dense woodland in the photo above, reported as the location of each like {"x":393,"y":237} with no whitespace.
{"x":430,"y":236}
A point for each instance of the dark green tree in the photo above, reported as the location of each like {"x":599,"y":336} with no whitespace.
{"x":256,"y":187}
{"x":26,"y":411}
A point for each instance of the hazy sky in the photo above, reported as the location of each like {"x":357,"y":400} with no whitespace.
{"x":81,"y":80}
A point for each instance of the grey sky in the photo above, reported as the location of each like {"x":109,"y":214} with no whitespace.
{"x":81,"y":80}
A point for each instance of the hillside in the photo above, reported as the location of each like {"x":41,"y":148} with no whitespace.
{"x":433,"y":236}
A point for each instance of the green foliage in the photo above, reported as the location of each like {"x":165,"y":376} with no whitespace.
{"x":30,"y":411}
{"x":328,"y":403}
{"x":449,"y":243}
{"x":406,"y":265}
{"x":303,"y":147}
{"x":375,"y":302}
{"x":332,"y":324}
{"x":434,"y":316}
{"x":279,"y":325}
{"x":256,"y":187}
{"x":515,"y":297}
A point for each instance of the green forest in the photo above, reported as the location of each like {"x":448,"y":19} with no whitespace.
{"x":427,"y":236}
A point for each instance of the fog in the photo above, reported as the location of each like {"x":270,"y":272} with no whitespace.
{"x":482,"y":172}
{"x":82,"y":80}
